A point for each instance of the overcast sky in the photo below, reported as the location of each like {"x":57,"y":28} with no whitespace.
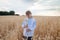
{"x":37,"y":7}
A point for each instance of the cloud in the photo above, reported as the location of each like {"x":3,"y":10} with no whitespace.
{"x":17,"y":5}
{"x":47,"y":4}
{"x":36,"y":6}
{"x":46,"y":7}
{"x":46,"y":13}
{"x":4,"y":8}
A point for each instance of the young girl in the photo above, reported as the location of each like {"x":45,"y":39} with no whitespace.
{"x":28,"y":25}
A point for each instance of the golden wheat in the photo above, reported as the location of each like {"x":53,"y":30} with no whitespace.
{"x":48,"y":28}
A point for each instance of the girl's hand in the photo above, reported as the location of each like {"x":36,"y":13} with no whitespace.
{"x":26,"y":26}
{"x":28,"y":30}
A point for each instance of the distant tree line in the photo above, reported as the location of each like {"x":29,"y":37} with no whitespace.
{"x":7,"y":13}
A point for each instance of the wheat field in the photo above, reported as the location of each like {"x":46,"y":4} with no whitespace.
{"x":48,"y":28}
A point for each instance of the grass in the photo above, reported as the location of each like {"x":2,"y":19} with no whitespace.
{"x":48,"y":28}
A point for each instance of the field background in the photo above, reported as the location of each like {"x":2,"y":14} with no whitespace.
{"x":48,"y":28}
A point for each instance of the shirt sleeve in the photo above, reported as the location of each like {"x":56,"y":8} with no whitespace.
{"x":33,"y":26}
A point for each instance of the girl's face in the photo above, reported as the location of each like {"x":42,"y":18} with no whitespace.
{"x":29,"y":16}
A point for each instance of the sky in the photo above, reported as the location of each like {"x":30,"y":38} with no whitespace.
{"x":37,"y":7}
